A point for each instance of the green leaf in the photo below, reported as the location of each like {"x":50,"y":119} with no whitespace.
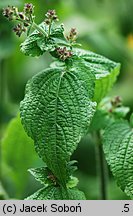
{"x":131,"y":120}
{"x":106,"y":72}
{"x":100,"y":120}
{"x":118,"y":148}
{"x":42,"y":175}
{"x":18,"y":155}
{"x":73,"y":181}
{"x":84,"y":73}
{"x":56,"y":113}
{"x":36,"y":43}
{"x":106,"y":113}
{"x":121,"y":112}
{"x":57,"y":193}
{"x":30,"y":45}
{"x":71,"y":167}
{"x":3,"y":194}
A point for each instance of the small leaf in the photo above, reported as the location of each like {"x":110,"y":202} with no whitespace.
{"x":36,"y":43}
{"x":40,"y":174}
{"x":71,"y":167}
{"x":121,"y":112}
{"x":106,"y":113}
{"x":57,"y":193}
{"x":118,"y":148}
{"x":30,"y":47}
{"x":73,"y":181}
{"x":43,"y":175}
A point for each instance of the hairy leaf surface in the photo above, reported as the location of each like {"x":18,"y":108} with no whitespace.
{"x":57,"y":193}
{"x":106,"y":72}
{"x":56,"y":113}
{"x":118,"y":148}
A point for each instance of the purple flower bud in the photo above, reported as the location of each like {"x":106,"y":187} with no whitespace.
{"x":28,"y":8}
{"x":9,"y":12}
{"x":117,"y":101}
{"x":63,"y":53}
{"x":51,"y":16}
{"x":19,"y":29}
{"x":73,"y":31}
{"x":72,"y":35}
{"x":51,"y":13}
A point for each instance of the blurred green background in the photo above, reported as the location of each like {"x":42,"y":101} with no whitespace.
{"x":105,"y":27}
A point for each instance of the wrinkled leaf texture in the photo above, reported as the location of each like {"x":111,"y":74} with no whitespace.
{"x":57,"y":193}
{"x":56,"y":113}
{"x":105,"y":70}
{"x":118,"y":148}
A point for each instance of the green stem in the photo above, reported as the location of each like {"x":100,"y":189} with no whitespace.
{"x":37,"y":27}
{"x":101,"y":168}
{"x":49,"y":30}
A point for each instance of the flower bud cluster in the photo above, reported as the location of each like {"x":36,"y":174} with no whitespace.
{"x":116,"y":102}
{"x":25,"y":17}
{"x":28,"y":8}
{"x":63,"y":53}
{"x":51,"y":16}
{"x":10,"y":12}
{"x":19,"y":29}
{"x":72,"y":35}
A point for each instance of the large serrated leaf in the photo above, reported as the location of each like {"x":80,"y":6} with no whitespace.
{"x":57,"y":193}
{"x":106,"y":72}
{"x":118,"y":148}
{"x":56,"y":113}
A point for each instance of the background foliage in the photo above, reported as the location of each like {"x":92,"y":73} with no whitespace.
{"x":105,"y":27}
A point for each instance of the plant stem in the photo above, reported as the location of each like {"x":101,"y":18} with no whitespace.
{"x":37,"y":27}
{"x":49,"y":30}
{"x":101,"y":168}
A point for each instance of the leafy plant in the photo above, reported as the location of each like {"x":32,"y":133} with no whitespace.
{"x":16,"y":148}
{"x":64,"y":102}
